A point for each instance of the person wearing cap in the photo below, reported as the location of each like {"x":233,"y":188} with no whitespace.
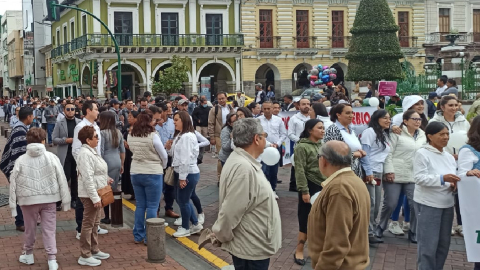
{"x":182,"y":105}
{"x":260,"y":95}
{"x":431,"y":104}
{"x":296,"y":104}
{"x":119,"y":117}
{"x":239,"y":98}
{"x":318,"y":98}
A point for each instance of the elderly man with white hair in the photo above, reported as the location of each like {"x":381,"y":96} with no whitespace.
{"x":248,"y":223}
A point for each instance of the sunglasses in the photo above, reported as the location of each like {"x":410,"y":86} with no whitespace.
{"x":69,"y":109}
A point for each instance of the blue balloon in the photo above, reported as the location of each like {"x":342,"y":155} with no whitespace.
{"x":320,"y":67}
{"x":325,"y":78}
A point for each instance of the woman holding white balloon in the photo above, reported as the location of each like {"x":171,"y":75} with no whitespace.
{"x":308,"y":178}
{"x":448,"y":114}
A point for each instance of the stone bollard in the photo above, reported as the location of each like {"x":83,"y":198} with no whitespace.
{"x":2,"y":130}
{"x":7,"y":133}
{"x":155,"y":240}
{"x":117,"y":210}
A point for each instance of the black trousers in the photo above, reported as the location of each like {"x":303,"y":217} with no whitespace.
{"x":242,"y":264}
{"x":457,"y":210}
{"x":79,"y":214}
{"x":19,"y":218}
{"x":70,"y":170}
{"x":168,"y":191}
{"x":293,"y":180}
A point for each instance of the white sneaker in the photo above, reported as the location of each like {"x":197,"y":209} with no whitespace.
{"x":196,"y":229}
{"x":406,"y":226}
{"x":395,"y":228}
{"x":102,"y":231}
{"x":460,"y":230}
{"x":78,"y":236}
{"x":101,"y":255}
{"x":201,"y":218}
{"x":181,"y":232}
{"x":178,"y":222}
{"x":276,"y":196}
{"x":52,"y":265}
{"x":26,"y":259}
{"x":453,"y":231}
{"x":90,"y":261}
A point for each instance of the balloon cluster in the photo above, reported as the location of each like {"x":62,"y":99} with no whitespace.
{"x":320,"y":76}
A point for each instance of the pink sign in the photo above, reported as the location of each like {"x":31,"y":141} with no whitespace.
{"x":387,"y":88}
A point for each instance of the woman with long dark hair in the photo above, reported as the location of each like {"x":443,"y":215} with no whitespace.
{"x":398,"y":170}
{"x":308,"y":178}
{"x":469,"y":157}
{"x":319,"y":111}
{"x":435,"y":180}
{"x":244,"y":112}
{"x":270,"y":92}
{"x":184,"y":151}
{"x":127,"y":187}
{"x":376,"y":142}
{"x":113,"y":152}
{"x":148,"y":160}
{"x":226,"y":138}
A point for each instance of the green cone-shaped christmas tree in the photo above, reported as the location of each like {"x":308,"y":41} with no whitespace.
{"x":374,"y":51}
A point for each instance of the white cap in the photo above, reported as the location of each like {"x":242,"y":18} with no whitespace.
{"x":297,"y":99}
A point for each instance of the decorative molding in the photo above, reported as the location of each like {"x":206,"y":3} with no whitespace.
{"x":267,"y":2}
{"x":338,"y":52}
{"x":269,"y":52}
{"x":299,"y":2}
{"x":214,"y":2}
{"x":410,"y":51}
{"x":408,"y":3}
{"x":338,"y":2}
{"x":305,"y":52}
{"x":137,"y":2}
{"x":170,"y":2}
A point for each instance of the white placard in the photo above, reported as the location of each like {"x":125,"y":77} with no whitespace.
{"x":469,"y":199}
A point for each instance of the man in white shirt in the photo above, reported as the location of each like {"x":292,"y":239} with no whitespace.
{"x":277,"y":133}
{"x":240,"y":98}
{"x":442,"y":85}
{"x":296,"y":125}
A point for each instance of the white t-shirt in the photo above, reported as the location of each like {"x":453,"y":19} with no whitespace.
{"x":440,"y":90}
{"x":351,"y":139}
{"x":259,"y":97}
{"x":378,"y":154}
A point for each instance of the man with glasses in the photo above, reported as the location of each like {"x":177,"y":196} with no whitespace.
{"x":63,"y":137}
{"x":143,"y":104}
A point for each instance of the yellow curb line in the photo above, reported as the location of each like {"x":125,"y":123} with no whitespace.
{"x":207,"y":255}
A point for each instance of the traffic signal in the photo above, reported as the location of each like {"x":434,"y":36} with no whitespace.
{"x":95,"y":67}
{"x":53,"y":12}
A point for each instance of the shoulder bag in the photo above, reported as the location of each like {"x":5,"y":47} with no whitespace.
{"x":168,"y":177}
{"x":106,"y":195}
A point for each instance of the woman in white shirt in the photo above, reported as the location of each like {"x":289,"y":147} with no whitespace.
{"x":435,"y":181}
{"x":184,"y":151}
{"x":376,"y":142}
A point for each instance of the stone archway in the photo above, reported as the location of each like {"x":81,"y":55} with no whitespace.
{"x":85,"y":79}
{"x":133,"y":78}
{"x":301,"y":81}
{"x":268,"y":74}
{"x":164,"y":65}
{"x":222,"y":77}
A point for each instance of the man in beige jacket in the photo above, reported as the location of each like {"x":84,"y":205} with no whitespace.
{"x":217,"y":117}
{"x":248,"y":223}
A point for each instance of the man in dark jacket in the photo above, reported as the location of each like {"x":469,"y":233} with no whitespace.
{"x":15,"y":147}
{"x":432,"y":99}
{"x":200,"y":121}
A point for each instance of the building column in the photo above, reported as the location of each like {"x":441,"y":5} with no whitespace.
{"x":100,"y":78}
{"x":236,"y":16}
{"x":237,"y":74}
{"x":194,"y":76}
{"x":149,"y":75}
{"x":192,"y":14}
{"x":147,"y":24}
{"x":96,"y":12}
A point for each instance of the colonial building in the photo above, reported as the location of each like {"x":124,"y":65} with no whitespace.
{"x":15,"y":60}
{"x":285,"y":38}
{"x":149,"y":33}
{"x":11,"y":21}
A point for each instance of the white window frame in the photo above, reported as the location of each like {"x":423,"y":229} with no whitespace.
{"x":72,"y":20}
{"x":84,"y":15}
{"x":135,"y":19}
{"x":181,"y":19}
{"x":452,"y":11}
{"x":64,"y":25}
{"x":203,"y":19}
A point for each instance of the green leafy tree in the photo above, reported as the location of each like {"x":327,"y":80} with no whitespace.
{"x":171,"y":79}
{"x":374,"y":51}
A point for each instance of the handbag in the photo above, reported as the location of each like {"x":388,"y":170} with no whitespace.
{"x":168,"y":178}
{"x":106,"y":195}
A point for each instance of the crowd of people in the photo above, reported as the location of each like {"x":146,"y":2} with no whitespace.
{"x":154,"y":148}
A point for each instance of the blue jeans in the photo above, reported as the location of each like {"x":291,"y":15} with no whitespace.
{"x":148,"y":192}
{"x":402,"y":200}
{"x":50,"y":128}
{"x":183,"y":195}
{"x":242,"y":264}
{"x":271,"y":173}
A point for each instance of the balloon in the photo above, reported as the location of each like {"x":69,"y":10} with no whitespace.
{"x":270,"y":156}
{"x":457,"y":140}
{"x":325,"y":67}
{"x":333,"y":76}
{"x":330,"y":84}
{"x":314,"y":72}
{"x":292,"y":160}
{"x":366,"y":102}
{"x":320,"y":67}
{"x":312,"y":83}
{"x":334,"y":71}
{"x":326,"y":72}
{"x":374,"y":102}
{"x":313,"y":78}
{"x":325,"y":78}
{"x":308,"y":77}
{"x":319,"y":82}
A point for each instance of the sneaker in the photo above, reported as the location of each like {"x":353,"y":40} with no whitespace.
{"x":276,"y":196}
{"x":90,"y":261}
{"x":105,"y":221}
{"x":102,"y":231}
{"x":101,"y":255}
{"x":178,"y":222}
{"x":196,"y":228}
{"x":460,"y":230}
{"x":26,"y":258}
{"x":181,"y":232}
{"x":406,"y":226}
{"x":78,"y":236}
{"x":52,"y":265}
{"x":453,"y":231}
{"x":395,"y":229}
{"x":201,"y":218}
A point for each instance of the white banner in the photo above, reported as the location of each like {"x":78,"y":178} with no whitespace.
{"x":468,"y":191}
{"x":360,"y":122}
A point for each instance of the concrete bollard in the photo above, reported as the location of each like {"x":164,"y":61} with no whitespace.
{"x":2,"y":130}
{"x":7,"y":133}
{"x":155,"y":240}
{"x":117,"y":209}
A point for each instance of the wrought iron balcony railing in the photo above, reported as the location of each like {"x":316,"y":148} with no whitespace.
{"x":440,"y":37}
{"x":339,"y":42}
{"x":305,"y":42}
{"x":408,"y":42}
{"x":268,"y":42}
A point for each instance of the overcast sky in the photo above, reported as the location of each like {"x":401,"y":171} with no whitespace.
{"x":10,"y":5}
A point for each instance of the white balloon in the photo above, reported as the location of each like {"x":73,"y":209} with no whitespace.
{"x":457,"y":140}
{"x":270,"y":156}
{"x":374,"y":102}
{"x":292,"y":160}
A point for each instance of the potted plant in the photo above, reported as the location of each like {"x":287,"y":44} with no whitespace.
{"x":452,"y":36}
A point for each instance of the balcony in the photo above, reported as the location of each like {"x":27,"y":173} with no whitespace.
{"x":409,"y":45}
{"x":150,"y":43}
{"x":305,"y":46}
{"x":268,"y":45}
{"x":438,"y":38}
{"x":339,"y":45}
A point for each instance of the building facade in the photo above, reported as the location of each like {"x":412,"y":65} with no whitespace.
{"x":283,"y":39}
{"x":11,"y":21}
{"x":15,"y":60}
{"x":149,"y":33}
